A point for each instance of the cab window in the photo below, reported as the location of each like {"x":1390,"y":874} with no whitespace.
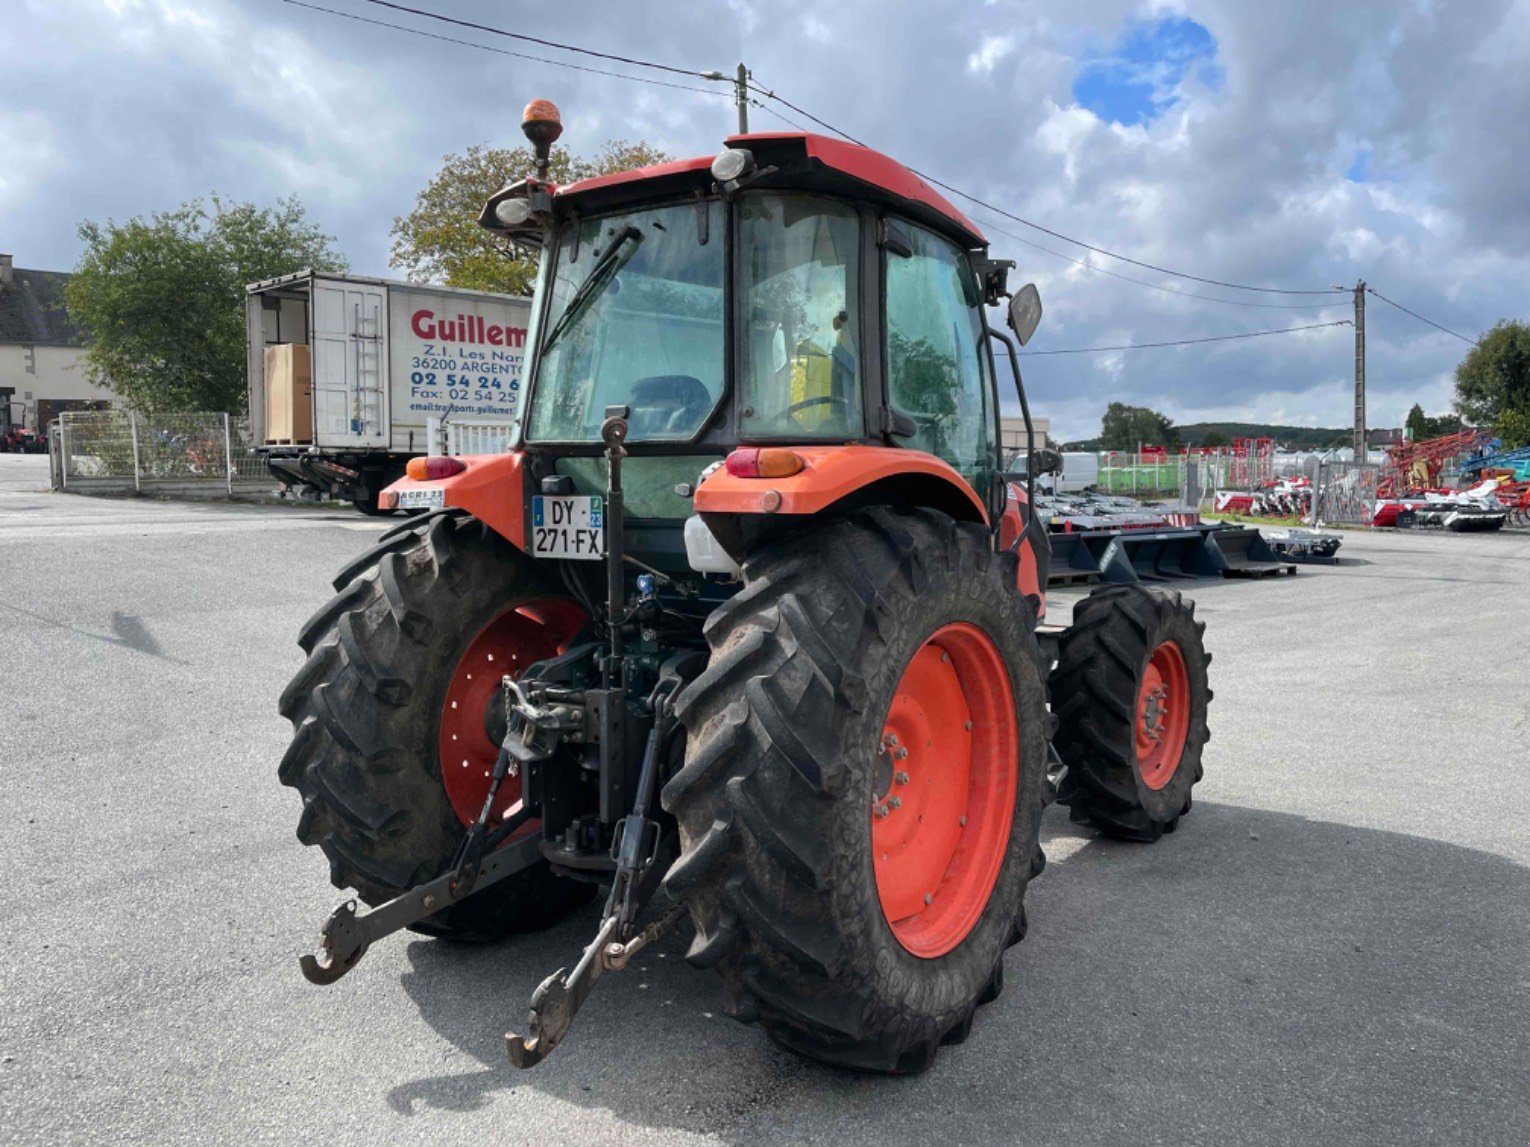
{"x":801,"y":359}
{"x":937,"y":368}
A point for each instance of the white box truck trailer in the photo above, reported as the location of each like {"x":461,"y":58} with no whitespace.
{"x":341,"y":419}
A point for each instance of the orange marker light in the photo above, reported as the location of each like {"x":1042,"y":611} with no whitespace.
{"x":430,"y":469}
{"x":541,"y":111}
{"x":764,"y":462}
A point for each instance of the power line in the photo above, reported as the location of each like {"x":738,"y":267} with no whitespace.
{"x":1079,"y":262}
{"x":772,"y":95}
{"x":1419,"y":317}
{"x":770,"y":111}
{"x":1088,"y":266}
{"x":503,"y":51}
{"x":1187,"y":342}
{"x":768,"y":94}
{"x":538,"y":40}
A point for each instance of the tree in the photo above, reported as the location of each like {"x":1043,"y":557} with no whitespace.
{"x":161,"y":298}
{"x":1126,"y":427}
{"x":1213,"y":439}
{"x":440,"y":240}
{"x":1438,"y":424}
{"x":1417,"y":424}
{"x":1513,"y":426}
{"x":1493,"y":380}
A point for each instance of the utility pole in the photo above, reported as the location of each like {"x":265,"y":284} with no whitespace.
{"x":1360,"y":455}
{"x":741,"y":97}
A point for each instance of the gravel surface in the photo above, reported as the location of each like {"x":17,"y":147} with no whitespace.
{"x":1333,"y":948}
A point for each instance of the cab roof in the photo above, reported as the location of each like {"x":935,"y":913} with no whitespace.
{"x":805,"y":160}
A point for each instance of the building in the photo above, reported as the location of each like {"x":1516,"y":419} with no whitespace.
{"x":1012,"y":431}
{"x":41,"y":351}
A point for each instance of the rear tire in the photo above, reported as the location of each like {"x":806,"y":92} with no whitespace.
{"x":785,"y":730}
{"x":366,"y":713}
{"x":1125,"y":644}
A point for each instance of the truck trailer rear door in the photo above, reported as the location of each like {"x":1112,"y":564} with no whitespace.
{"x":350,"y":356}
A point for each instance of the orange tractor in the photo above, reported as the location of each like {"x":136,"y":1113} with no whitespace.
{"x":745,"y":623}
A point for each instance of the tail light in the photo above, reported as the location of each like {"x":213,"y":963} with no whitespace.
{"x":764,"y":462}
{"x":430,"y":469}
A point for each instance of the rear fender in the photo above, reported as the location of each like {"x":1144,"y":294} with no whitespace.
{"x":833,"y":474}
{"x":492,"y":489}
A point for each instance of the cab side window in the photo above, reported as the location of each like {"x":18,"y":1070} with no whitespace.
{"x":937,"y":370}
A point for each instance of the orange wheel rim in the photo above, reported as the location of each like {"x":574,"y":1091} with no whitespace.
{"x":943,"y":790}
{"x":1161,"y":721}
{"x":472,"y":712}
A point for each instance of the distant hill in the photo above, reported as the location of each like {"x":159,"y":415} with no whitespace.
{"x":1291,"y":437}
{"x":1288,"y":437}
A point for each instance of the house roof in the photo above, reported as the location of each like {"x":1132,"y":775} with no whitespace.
{"x":32,"y":310}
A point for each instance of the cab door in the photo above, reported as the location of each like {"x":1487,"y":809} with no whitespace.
{"x":938,"y":367}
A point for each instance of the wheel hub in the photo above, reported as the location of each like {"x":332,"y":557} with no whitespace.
{"x":473,"y":718}
{"x":943,"y":789}
{"x":1162,"y":715}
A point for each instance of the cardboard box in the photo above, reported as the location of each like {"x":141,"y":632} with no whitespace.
{"x":289,"y":394}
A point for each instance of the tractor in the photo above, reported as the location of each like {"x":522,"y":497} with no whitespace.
{"x":744,"y":628}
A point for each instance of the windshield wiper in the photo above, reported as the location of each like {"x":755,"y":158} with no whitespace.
{"x":594,"y":283}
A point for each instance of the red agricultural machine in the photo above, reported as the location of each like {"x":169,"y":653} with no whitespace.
{"x":744,"y":624}
{"x":1417,"y":466}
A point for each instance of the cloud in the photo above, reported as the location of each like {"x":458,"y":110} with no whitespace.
{"x":814,"y":28}
{"x":1226,"y":154}
{"x":28,"y":142}
{"x":989,"y":53}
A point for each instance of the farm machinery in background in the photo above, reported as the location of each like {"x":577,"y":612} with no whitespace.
{"x":744,"y":626}
{"x":15,"y":436}
{"x":1510,"y":470}
{"x":1412,"y":490}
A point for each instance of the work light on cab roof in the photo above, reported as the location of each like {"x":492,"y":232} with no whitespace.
{"x":525,"y":205}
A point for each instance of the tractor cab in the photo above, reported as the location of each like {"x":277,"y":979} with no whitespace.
{"x":795,"y":290}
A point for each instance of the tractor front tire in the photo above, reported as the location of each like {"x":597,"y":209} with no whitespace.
{"x":864,"y":778}
{"x":1130,"y":691}
{"x":367,"y":710}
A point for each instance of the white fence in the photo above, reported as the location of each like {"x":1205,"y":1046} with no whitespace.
{"x":104,"y":451}
{"x":467,"y":436}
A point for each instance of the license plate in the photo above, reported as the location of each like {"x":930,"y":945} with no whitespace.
{"x":426,"y":498}
{"x":568,"y":527}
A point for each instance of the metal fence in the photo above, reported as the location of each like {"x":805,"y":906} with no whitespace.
{"x":1144,"y":474}
{"x":1344,"y":493}
{"x":1194,"y":478}
{"x":116,"y":450}
{"x":467,"y":436}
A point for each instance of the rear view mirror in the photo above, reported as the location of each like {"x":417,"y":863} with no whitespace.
{"x":1025,"y":312}
{"x":1043,"y":461}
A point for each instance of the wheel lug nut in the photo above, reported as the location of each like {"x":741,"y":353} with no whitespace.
{"x":901,"y":777}
{"x":895,"y":802}
{"x":901,"y":754}
{"x":880,"y":811}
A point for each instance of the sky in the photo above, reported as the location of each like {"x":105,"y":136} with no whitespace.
{"x":1300,"y":145}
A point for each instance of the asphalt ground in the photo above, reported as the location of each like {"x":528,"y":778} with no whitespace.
{"x":1335,"y":947}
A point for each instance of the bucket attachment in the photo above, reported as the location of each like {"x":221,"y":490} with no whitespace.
{"x":1128,"y":557}
{"x":1246,"y":554}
